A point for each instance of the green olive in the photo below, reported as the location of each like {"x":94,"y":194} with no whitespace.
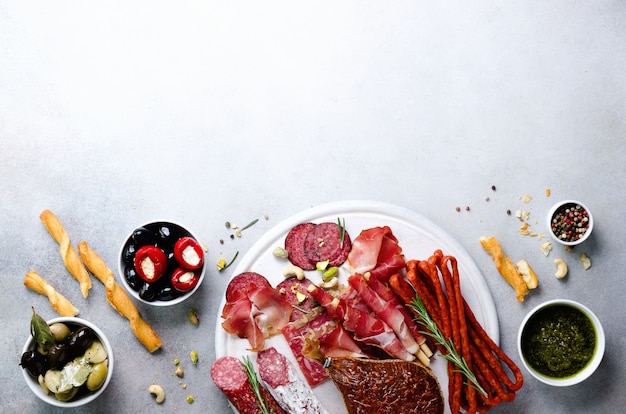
{"x":59,"y":331}
{"x":96,"y":352}
{"x":98,"y":376}
{"x":66,"y":395}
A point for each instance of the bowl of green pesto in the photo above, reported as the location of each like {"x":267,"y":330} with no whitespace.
{"x":561,"y":342}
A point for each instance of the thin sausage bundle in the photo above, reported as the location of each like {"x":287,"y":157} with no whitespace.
{"x":436,"y":281}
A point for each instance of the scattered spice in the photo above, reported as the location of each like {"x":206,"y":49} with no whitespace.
{"x":508,"y":212}
{"x":467,"y":208}
{"x":493,"y":188}
{"x":458,"y":208}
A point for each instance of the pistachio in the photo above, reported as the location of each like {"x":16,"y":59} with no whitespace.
{"x":280,"y":252}
{"x":193,"y":317}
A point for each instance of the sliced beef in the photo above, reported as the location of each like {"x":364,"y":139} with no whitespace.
{"x":386,"y":386}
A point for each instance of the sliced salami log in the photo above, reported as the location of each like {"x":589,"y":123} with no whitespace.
{"x":294,"y":244}
{"x":324,"y":242}
{"x":289,"y":390}
{"x":243,"y":283}
{"x":227,"y":373}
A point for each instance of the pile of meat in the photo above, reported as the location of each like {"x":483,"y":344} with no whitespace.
{"x":333,"y":332}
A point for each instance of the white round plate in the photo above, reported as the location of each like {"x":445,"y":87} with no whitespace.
{"x":417,"y":236}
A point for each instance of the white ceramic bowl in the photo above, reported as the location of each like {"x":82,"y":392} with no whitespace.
{"x":588,"y":369}
{"x":80,"y":399}
{"x":556,"y":208}
{"x":178,"y":230}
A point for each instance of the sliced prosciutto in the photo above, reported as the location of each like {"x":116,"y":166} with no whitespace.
{"x":387,"y":294}
{"x":384,"y":310}
{"x":366,"y":328}
{"x":255,"y":310}
{"x":376,"y":250}
{"x":311,"y":322}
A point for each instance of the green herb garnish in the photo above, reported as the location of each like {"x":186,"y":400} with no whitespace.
{"x":453,"y":355}
{"x":252,"y":223}
{"x":40,"y":331}
{"x":342,"y":230}
{"x":231,"y":261}
{"x":248,"y":369}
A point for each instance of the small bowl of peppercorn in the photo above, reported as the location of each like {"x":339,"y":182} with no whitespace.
{"x":561,"y":342}
{"x":570,"y":222}
{"x":161,"y":263}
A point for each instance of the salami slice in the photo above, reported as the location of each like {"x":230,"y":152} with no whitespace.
{"x":289,"y":390}
{"x":324,"y":242}
{"x":294,"y":244}
{"x":227,"y":373}
{"x":243,"y":283}
{"x":296,"y":294}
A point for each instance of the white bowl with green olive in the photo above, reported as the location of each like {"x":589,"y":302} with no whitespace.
{"x":68,"y":365}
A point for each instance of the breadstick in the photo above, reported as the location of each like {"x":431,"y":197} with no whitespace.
{"x":118,"y":298}
{"x":68,"y":253}
{"x":505,"y":267}
{"x":60,"y":304}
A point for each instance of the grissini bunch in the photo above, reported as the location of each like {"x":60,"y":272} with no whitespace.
{"x":118,"y":298}
{"x":68,"y":253}
{"x":60,"y":304}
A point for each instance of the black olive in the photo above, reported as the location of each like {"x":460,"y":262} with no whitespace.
{"x":34,"y":363}
{"x":166,"y":293}
{"x":128,"y":255}
{"x":133,"y":279}
{"x":143,"y":237}
{"x":148,"y":291}
{"x":58,"y":356}
{"x":80,"y":340}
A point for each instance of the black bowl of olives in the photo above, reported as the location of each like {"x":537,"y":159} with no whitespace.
{"x":161,"y":263}
{"x":66,"y":361}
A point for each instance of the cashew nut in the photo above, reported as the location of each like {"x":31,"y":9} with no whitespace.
{"x":332,"y":283}
{"x":157,"y":391}
{"x":294,"y":271}
{"x":561,"y":268}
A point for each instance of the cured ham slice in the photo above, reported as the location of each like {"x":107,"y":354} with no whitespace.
{"x":292,"y":393}
{"x":256,"y":310}
{"x":376,"y":250}
{"x":309,"y":321}
{"x":386,"y":386}
{"x":366,"y":328}
{"x":386,"y":311}
{"x":386,"y":293}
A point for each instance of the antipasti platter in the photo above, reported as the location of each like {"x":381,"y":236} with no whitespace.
{"x":417,"y":236}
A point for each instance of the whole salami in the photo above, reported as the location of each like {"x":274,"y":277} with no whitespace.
{"x":227,"y":373}
{"x":292,"y":393}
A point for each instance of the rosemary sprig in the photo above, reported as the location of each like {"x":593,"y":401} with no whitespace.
{"x":248,"y":369}
{"x":453,"y":355}
{"x":342,"y":231}
{"x":252,"y":223}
